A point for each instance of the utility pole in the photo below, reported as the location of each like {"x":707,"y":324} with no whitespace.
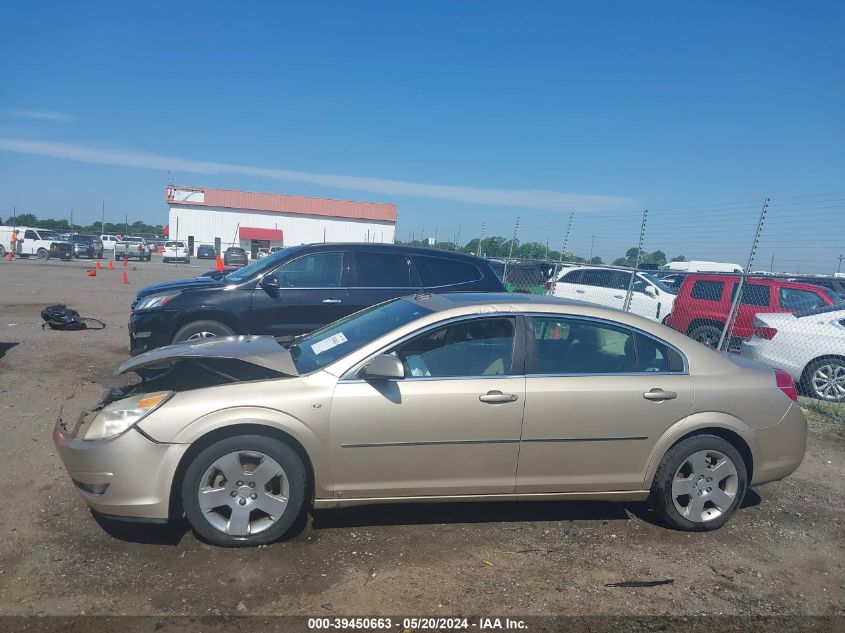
{"x":839,"y":268}
{"x":729,"y":323}
{"x":126,"y":224}
{"x":772,"y":265}
{"x":435,"y":236}
{"x":480,"y":252}
{"x":71,"y":221}
{"x":547,"y":249}
{"x":592,"y":244}
{"x":103,"y":219}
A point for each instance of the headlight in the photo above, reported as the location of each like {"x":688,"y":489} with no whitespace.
{"x":156,"y":301}
{"x":122,"y":415}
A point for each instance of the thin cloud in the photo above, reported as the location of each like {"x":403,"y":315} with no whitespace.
{"x":44,"y":115}
{"x":528,"y":198}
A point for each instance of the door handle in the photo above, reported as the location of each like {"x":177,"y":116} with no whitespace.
{"x":618,"y":296}
{"x":496,"y":397}
{"x":581,"y":292}
{"x":658,"y":395}
{"x":332,"y":301}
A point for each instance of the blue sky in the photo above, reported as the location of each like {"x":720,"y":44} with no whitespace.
{"x":459,"y":112}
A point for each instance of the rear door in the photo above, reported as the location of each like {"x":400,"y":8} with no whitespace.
{"x":756,"y":297}
{"x":565,"y":286}
{"x":377,"y":277}
{"x":310,"y":295}
{"x":599,"y":286}
{"x":598,"y":396}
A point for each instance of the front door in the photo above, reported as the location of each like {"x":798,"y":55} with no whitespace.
{"x":309,"y":295}
{"x":598,"y":397}
{"x":450,"y":427}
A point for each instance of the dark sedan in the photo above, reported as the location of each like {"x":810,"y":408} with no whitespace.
{"x":235,"y":256}
{"x":206,"y":251}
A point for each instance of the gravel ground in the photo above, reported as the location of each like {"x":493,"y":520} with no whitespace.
{"x":782,"y":554}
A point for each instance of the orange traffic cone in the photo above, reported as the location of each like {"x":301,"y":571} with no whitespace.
{"x":92,"y":273}
{"x":98,"y":265}
{"x":219,"y":263}
{"x":111,"y":265}
{"x":125,"y":278}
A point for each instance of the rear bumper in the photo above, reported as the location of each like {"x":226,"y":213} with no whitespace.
{"x":151,"y":330}
{"x":126,"y":476}
{"x":778,"y":450}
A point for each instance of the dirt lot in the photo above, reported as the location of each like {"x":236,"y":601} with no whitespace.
{"x":782,"y":554}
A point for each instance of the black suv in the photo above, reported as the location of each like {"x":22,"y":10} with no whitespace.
{"x":298,"y":290}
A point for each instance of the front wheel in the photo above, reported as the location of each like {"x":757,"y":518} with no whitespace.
{"x":825,"y":379}
{"x":202,"y":329}
{"x":699,"y":484}
{"x":244,"y":490}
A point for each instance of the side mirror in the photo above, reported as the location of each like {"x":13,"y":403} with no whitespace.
{"x":651,"y":291}
{"x":270,"y":283}
{"x":383,"y":367}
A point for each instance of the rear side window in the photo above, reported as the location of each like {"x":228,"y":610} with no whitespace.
{"x":602,"y":278}
{"x":756,"y":295}
{"x":439,"y":271}
{"x":707,"y":290}
{"x":572,"y":278}
{"x":382,"y":270}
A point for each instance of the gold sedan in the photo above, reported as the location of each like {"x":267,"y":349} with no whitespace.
{"x":456,"y":397}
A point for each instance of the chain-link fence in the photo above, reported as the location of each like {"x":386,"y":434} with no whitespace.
{"x":759,"y":278}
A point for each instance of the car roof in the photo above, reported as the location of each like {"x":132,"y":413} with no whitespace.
{"x":387,"y":248}
{"x":513,"y":300}
{"x":766,"y":281}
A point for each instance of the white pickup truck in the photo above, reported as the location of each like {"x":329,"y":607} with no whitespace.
{"x":40,"y":243}
{"x":129,"y":247}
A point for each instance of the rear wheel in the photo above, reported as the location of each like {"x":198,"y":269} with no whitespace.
{"x":244,"y":490}
{"x":43,"y":254}
{"x":699,"y":484}
{"x":708,"y":335}
{"x":825,"y":379}
{"x":202,"y":329}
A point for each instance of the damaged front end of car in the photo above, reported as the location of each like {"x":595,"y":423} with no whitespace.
{"x":183,"y":367}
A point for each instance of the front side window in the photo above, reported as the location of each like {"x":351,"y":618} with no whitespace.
{"x":794,"y":299}
{"x":708,"y":290}
{"x":577,"y":346}
{"x":318,"y":270}
{"x":382,"y":270}
{"x":469,"y":348}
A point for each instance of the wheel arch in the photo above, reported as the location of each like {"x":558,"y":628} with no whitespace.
{"x":727,"y":427}
{"x":226,"y":318}
{"x":704,"y":321}
{"x":175,"y":508}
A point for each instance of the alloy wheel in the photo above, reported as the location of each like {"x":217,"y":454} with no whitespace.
{"x":199,"y":335}
{"x":243,"y":493}
{"x":829,"y":382}
{"x":704,"y":486}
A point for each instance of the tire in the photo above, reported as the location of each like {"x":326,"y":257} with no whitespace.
{"x":2,"y":251}
{"x":248,"y":518}
{"x":165,"y":261}
{"x":201,"y":329}
{"x":118,"y":257}
{"x":824,"y":379}
{"x":100,"y":254}
{"x":707,"y":335}
{"x":43,"y":254}
{"x":703,"y":509}
{"x":149,"y":257}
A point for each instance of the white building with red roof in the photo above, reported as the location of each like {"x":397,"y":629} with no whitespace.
{"x":223,"y":218}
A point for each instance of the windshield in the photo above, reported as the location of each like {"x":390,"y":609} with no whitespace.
{"x":659,"y":283}
{"x":259,"y":266}
{"x":343,"y":337}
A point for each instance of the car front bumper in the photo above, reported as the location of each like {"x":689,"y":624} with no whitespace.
{"x":128,"y":476}
{"x":151,"y":330}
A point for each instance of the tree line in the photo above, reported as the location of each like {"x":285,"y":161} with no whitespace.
{"x":95,"y":228}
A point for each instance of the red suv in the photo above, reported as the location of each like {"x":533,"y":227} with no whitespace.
{"x":704,"y":302}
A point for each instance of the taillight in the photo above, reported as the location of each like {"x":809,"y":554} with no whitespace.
{"x":767,"y":333}
{"x":785,"y":384}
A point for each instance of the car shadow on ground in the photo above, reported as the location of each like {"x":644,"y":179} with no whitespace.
{"x":172,"y":533}
{"x":5,"y":347}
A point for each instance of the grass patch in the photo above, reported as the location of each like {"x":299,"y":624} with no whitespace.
{"x":828,"y":413}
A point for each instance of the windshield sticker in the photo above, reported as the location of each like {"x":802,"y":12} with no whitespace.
{"x":327,"y":343}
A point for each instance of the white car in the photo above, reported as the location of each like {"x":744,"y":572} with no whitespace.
{"x":651,"y":298}
{"x":108,"y":242}
{"x":809,"y":345}
{"x":176,"y":251}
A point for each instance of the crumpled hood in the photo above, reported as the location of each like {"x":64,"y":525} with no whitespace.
{"x":181,"y":284}
{"x":262,"y":351}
